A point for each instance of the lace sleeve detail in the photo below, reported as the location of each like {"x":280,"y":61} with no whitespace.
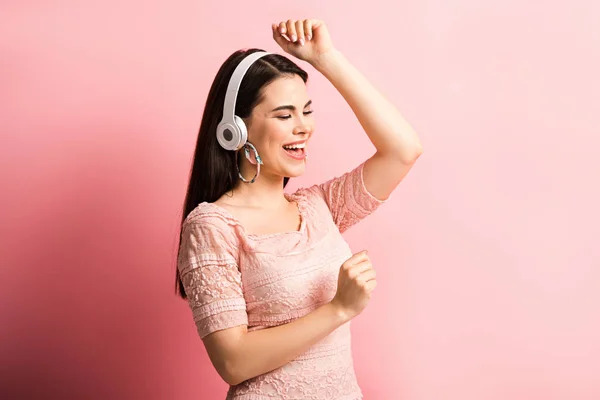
{"x":211,"y":278}
{"x":348,"y":198}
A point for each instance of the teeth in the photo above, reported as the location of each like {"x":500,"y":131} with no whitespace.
{"x":295,"y":146}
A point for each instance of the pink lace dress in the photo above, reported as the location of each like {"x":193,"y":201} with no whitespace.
{"x":235,"y":278}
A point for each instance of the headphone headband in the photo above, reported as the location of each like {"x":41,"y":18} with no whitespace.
{"x":236,"y":80}
{"x":231,"y":131}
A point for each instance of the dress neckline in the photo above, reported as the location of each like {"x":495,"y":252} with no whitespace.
{"x":290,"y":197}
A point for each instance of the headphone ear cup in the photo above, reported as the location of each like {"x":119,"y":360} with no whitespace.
{"x":228,"y":135}
{"x":243,"y":132}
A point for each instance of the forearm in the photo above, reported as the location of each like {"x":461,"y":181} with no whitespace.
{"x":264,"y":350}
{"x":389,"y":132}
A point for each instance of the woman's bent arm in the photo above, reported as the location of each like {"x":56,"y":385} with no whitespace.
{"x":239,"y":355}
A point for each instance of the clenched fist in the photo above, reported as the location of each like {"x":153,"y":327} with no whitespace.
{"x":356,"y":282}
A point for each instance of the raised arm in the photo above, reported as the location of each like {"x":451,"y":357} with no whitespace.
{"x":397,"y":145}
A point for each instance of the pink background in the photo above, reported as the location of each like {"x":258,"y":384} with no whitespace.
{"x":489,"y":282}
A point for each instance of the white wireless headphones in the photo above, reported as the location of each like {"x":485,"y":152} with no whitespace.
{"x":231,"y":131}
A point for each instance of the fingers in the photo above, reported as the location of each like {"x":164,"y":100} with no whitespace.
{"x":360,"y":269}
{"x":277,"y":35}
{"x":357,"y":264}
{"x":291,"y":30}
{"x":364,"y":276}
{"x":308,"y":29}
{"x":367,"y":280}
{"x":282,"y":30}
{"x":357,"y":258}
{"x":297,"y":31}
{"x":370,"y":286}
{"x":367,"y":275}
{"x":300,"y":32}
{"x":354,"y":270}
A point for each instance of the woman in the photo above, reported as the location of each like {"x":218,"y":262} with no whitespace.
{"x":270,"y":281}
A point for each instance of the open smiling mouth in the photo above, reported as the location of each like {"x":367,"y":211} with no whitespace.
{"x":296,"y":151}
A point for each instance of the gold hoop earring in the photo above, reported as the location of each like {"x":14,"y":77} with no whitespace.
{"x":247,"y":154}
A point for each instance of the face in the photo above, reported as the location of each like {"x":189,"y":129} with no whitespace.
{"x":281,"y":126}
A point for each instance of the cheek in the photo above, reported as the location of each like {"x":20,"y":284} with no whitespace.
{"x":268,"y":137}
{"x":259,"y":135}
{"x":274,"y":138}
{"x":272,"y":147}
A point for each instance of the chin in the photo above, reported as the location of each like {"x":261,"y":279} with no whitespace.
{"x":293,"y":171}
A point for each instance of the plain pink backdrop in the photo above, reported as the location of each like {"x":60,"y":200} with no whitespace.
{"x":489,"y":274}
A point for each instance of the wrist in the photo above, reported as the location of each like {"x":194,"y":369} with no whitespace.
{"x":327,"y":60}
{"x":339,"y":313}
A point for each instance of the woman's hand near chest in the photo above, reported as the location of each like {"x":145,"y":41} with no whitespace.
{"x":356,"y":282}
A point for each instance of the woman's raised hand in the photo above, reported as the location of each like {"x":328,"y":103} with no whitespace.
{"x":306,"y":39}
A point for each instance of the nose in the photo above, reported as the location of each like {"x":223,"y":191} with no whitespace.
{"x":303,"y":127}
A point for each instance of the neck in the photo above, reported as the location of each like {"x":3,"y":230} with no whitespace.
{"x":265,"y":192}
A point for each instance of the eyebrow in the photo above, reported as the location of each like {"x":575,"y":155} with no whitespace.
{"x":290,"y":107}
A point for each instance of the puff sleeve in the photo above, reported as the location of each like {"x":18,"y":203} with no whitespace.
{"x":347,"y":197}
{"x":208,"y":268}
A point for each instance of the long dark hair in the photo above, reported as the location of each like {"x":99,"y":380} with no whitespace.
{"x":214,"y":171}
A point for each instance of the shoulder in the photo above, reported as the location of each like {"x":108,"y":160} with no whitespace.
{"x":311,"y":201}
{"x":210,"y":221}
{"x":308,"y":194}
{"x":210,"y":214}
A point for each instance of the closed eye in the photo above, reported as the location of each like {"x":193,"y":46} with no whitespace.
{"x":289,"y":116}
